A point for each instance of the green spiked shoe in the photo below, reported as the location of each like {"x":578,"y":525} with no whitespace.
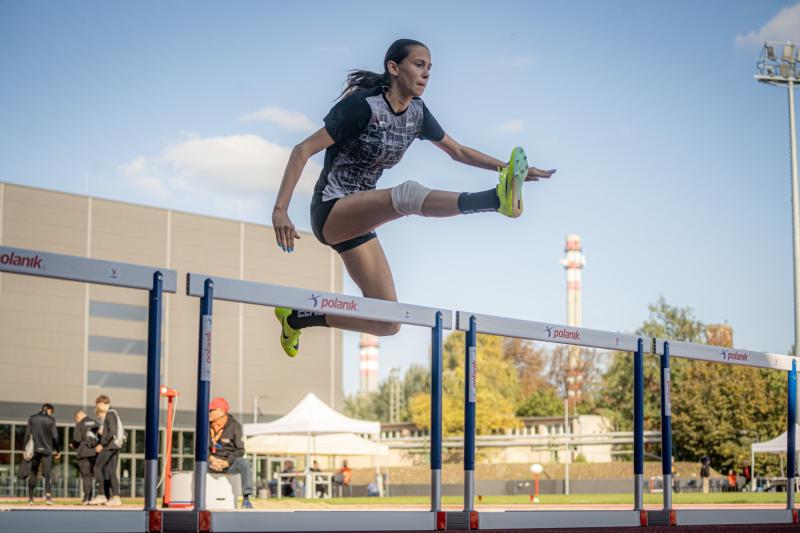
{"x":509,"y":190}
{"x":290,"y":337}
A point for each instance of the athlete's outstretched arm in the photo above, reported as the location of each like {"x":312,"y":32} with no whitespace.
{"x":472,"y":157}
{"x":285,"y":233}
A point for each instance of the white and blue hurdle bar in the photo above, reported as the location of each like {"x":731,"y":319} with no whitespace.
{"x":209,"y":288}
{"x":473,"y":323}
{"x":156,"y":281}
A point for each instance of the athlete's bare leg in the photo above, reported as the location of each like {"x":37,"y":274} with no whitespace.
{"x":368,"y":267}
{"x":362,"y":212}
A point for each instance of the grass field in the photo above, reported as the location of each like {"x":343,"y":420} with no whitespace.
{"x":559,"y":499}
{"x":743,"y":498}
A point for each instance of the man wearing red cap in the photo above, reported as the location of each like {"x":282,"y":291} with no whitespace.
{"x":227,"y":448}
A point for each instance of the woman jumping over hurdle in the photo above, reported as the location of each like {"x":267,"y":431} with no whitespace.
{"x":366,"y":132}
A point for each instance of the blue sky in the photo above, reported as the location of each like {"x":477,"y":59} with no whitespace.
{"x":672,"y":161}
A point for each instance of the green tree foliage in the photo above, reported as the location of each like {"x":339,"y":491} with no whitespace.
{"x":543,"y":402}
{"x":717,"y":410}
{"x":375,"y":406}
{"x":497,"y":391}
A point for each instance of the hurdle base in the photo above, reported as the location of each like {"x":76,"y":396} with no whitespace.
{"x":662,"y":517}
{"x":173,"y":521}
{"x":462,"y":520}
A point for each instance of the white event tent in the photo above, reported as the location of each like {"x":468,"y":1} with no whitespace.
{"x":776,"y":445}
{"x":313,"y":428}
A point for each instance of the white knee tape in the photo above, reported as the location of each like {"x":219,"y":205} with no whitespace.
{"x":407,"y":198}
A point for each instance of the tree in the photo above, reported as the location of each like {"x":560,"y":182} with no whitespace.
{"x":588,"y":363}
{"x":530,"y":362}
{"x":717,"y":410}
{"x":497,"y":388}
{"x":616,"y":398}
{"x":375,"y":406}
{"x":543,"y":402}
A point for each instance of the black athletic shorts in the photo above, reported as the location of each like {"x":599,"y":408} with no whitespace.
{"x":319,"y":215}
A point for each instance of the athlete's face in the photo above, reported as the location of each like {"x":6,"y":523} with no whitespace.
{"x":412,"y":73}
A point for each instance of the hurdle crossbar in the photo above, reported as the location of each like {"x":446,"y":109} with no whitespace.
{"x":730,"y":356}
{"x":209,"y":288}
{"x":73,"y":268}
{"x":550,"y":332}
{"x":474,"y":323}
{"x":251,"y":292}
{"x":127,"y":275}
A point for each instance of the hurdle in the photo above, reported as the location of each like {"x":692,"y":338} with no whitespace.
{"x":666,"y":349}
{"x":473,"y":323}
{"x":101,"y":272}
{"x":210,"y":288}
{"x":469,"y":518}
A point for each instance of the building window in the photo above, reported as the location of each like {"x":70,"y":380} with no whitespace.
{"x":136,"y":313}
{"x":117,"y":380}
{"x":5,"y":436}
{"x":19,"y":436}
{"x":98,"y":343}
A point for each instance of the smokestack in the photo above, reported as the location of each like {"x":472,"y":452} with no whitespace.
{"x":573,"y":263}
{"x":368,"y":346}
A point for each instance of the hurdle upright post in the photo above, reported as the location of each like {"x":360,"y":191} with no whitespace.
{"x":470,"y":397}
{"x":153,"y":400}
{"x":436,"y":414}
{"x":791,"y":436}
{"x":203,"y":393}
{"x":666,"y":428}
{"x":638,"y":427}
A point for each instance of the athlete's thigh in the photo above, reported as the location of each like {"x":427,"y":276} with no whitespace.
{"x":368,"y":267}
{"x":359,"y":213}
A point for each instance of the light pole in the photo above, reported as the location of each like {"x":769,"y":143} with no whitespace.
{"x":536,"y":469}
{"x":255,"y":406}
{"x":566,"y":446}
{"x":779,"y":64}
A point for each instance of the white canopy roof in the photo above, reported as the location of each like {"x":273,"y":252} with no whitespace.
{"x":330,"y":444}
{"x":778,"y":444}
{"x":312,"y":417}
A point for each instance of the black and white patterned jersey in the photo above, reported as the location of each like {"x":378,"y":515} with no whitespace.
{"x":369,"y":137}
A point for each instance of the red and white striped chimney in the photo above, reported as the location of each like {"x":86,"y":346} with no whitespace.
{"x":368,"y":346}
{"x":573,"y":263}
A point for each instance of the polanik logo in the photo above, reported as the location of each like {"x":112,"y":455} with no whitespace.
{"x":314,"y":299}
{"x":563,"y":333}
{"x":734,"y":356}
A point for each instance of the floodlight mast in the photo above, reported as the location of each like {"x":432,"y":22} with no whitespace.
{"x":779,"y":64}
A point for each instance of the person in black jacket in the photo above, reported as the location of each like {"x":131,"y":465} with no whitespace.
{"x":42,"y":429}
{"x":226,"y":447}
{"x":105,"y":465}
{"x":84,"y":439}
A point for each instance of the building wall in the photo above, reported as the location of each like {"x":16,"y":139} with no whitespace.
{"x":65,"y":342}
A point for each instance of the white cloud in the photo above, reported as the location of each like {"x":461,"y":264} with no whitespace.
{"x":785,"y":26}
{"x":514,"y":125}
{"x":234,"y":166}
{"x":289,"y":120}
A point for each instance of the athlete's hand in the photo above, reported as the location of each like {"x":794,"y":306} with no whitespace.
{"x":534,"y":174}
{"x":285,"y":233}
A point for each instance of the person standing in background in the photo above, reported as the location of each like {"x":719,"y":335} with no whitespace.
{"x":44,"y":433}
{"x":84,"y":439}
{"x":705,"y":472}
{"x":105,"y":466}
